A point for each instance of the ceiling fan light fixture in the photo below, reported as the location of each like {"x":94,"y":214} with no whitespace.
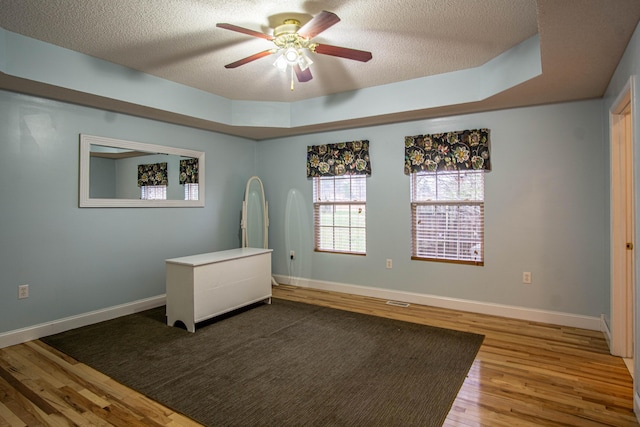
{"x":281,"y":63}
{"x":304,"y":61}
{"x":291,"y":55}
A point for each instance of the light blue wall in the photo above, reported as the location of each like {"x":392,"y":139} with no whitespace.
{"x":546,"y":211}
{"x":629,"y":68}
{"x":546,"y":202}
{"x":38,"y":61}
{"x":78,"y":260}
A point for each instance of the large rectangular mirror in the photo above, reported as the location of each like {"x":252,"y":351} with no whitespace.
{"x":118,"y":173}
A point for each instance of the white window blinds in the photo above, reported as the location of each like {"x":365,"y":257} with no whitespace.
{"x":447,"y":216}
{"x":340,"y":213}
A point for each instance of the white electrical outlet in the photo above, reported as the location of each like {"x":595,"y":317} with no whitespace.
{"x":23,"y":291}
{"x":292,"y":255}
{"x":526,"y":277}
{"x":389,"y":263}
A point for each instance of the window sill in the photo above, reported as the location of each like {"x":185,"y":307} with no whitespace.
{"x":450,"y":261}
{"x":326,"y":251}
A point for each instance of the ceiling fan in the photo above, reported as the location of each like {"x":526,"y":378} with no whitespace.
{"x":292,"y":42}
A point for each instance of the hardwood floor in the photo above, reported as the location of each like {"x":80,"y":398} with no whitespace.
{"x":525,"y":374}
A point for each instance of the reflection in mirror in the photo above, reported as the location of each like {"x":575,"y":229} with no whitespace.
{"x":117,"y":173}
{"x":254,"y":215}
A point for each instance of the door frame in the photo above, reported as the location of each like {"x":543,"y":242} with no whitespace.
{"x":622,"y":211}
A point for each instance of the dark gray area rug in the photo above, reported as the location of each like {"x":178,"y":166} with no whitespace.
{"x":283,"y":364}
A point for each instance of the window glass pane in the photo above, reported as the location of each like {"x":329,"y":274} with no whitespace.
{"x":342,"y":239}
{"x":358,"y":215}
{"x":327,"y":190}
{"x":326,"y":237}
{"x":340,"y":189}
{"x":358,"y":240}
{"x":358,"y":188}
{"x":447,"y":186}
{"x":343,"y":190}
{"x":425,"y":187}
{"x":341,"y":217}
{"x":471,"y":185}
{"x":326,"y":215}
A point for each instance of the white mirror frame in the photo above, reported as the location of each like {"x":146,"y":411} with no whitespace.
{"x":244,"y":223}
{"x":87,"y":202}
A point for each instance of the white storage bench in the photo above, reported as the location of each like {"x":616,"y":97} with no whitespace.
{"x":206,"y":285}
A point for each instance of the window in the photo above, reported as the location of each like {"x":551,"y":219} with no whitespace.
{"x":191,"y":191}
{"x":189,"y":168}
{"x":153,"y":180}
{"x":447,"y":216}
{"x":339,"y":172}
{"x":340,"y":213}
{"x":153,"y":192}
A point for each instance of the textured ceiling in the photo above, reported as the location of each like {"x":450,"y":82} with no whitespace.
{"x":178,"y":40}
{"x":581,"y":43}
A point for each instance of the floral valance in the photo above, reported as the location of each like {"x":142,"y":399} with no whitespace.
{"x":344,"y":158}
{"x":153,"y":174}
{"x":461,"y":150}
{"x":188,"y":171}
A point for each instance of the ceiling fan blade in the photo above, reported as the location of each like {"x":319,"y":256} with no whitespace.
{"x":249,"y":59}
{"x":318,"y":24}
{"x":343,"y":52}
{"x":245,"y":31}
{"x":303,"y":76}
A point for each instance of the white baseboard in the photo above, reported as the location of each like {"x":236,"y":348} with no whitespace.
{"x":513,"y":312}
{"x":44,"y":329}
{"x":557,"y":318}
{"x":606,"y":331}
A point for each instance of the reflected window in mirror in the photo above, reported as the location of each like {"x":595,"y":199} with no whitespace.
{"x":191,"y":192}
{"x":153,"y":192}
{"x":189,"y":177}
{"x":153,"y":180}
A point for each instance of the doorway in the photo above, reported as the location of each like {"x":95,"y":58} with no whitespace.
{"x":622,"y":227}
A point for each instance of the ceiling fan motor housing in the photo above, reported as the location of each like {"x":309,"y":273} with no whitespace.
{"x":286,"y":36}
{"x":289,"y":26}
